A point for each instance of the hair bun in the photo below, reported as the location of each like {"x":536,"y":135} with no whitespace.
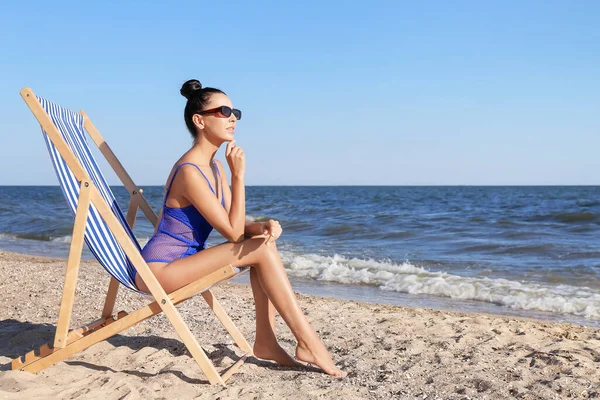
{"x":190,"y":87}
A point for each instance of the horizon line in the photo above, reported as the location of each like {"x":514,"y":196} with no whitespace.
{"x":362,"y":185}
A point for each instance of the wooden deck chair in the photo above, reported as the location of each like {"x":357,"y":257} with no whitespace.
{"x":100,"y":223}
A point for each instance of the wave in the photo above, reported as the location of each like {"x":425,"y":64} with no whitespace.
{"x":408,"y":278}
{"x":582,"y":229}
{"x":59,"y":239}
{"x":397,"y":235}
{"x":38,"y":237}
{"x":259,"y":218}
{"x":478,"y":247}
{"x":505,"y":222}
{"x":63,"y":239}
{"x":386,"y":217}
{"x":526,"y":234}
{"x":565,"y":217}
{"x":335,"y":230}
{"x":588,"y":203}
{"x":543,"y":248}
{"x":298,"y":226}
{"x":576,"y":217}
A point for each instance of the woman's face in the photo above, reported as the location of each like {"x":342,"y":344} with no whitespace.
{"x":215,"y":125}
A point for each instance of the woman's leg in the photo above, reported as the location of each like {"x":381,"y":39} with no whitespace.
{"x":310,"y":348}
{"x":266,"y":346}
{"x":273,"y":279}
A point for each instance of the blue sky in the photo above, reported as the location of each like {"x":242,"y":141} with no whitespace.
{"x":333,"y":93}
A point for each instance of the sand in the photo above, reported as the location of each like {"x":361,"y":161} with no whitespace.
{"x":389,"y":351}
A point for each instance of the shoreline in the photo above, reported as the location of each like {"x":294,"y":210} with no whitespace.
{"x":373,"y":294}
{"x":389,"y":351}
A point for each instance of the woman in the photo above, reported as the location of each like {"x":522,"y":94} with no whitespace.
{"x":198,"y":199}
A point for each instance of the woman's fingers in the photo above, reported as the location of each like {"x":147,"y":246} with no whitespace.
{"x":274,"y":230}
{"x":230,"y":145}
{"x":235,"y":158}
{"x":235,"y":152}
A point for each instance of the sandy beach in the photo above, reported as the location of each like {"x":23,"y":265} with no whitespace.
{"x":389,"y":351}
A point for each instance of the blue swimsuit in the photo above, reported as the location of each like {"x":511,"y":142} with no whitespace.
{"x":181,"y":231}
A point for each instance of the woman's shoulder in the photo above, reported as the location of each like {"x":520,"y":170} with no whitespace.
{"x":186,"y":167}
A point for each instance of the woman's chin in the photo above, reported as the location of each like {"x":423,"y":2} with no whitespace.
{"x":227,"y":139}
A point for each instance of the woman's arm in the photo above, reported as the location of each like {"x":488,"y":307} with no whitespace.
{"x":237,"y":212}
{"x":197,"y":191}
{"x":254,"y":229}
{"x":250,"y":228}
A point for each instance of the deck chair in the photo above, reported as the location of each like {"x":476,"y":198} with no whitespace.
{"x":108,"y":234}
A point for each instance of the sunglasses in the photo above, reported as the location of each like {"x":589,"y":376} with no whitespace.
{"x":223,"y":112}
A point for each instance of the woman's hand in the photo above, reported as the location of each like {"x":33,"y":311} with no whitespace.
{"x":272,"y":229}
{"x":236,"y":159}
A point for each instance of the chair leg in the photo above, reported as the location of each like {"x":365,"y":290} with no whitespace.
{"x":193,"y":346}
{"x":233,"y":369}
{"x":111,"y":297}
{"x":68,"y":295}
{"x":227,"y":322}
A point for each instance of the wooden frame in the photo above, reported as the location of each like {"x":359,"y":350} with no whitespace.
{"x":70,"y":342}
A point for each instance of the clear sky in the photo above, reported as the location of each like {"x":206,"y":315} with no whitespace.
{"x":333,"y":93}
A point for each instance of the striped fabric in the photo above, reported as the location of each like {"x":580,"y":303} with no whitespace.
{"x":98,"y":236}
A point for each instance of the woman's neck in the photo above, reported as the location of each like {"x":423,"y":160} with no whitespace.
{"x":203,"y":152}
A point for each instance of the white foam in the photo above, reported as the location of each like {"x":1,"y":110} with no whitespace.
{"x":62,"y":239}
{"x":253,"y":218}
{"x":12,"y":236}
{"x":407,"y":278}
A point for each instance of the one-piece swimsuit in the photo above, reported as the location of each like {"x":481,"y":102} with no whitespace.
{"x":181,"y":231}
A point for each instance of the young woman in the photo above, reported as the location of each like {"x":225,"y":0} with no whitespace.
{"x":197,"y":199}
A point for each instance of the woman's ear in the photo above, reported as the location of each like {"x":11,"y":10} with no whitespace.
{"x":198,"y":121}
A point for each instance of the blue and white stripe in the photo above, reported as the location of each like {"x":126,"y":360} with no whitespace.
{"x":98,"y":236}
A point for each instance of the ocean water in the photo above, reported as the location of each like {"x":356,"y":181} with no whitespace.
{"x":530,"y":251}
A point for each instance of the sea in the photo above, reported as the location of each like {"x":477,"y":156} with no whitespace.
{"x":507,"y":250}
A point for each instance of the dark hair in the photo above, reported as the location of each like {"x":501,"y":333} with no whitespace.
{"x":197,"y":98}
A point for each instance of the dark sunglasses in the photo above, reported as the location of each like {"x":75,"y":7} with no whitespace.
{"x":223,"y":112}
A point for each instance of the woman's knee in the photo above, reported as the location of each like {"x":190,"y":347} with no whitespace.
{"x":259,"y":247}
{"x":254,"y":248}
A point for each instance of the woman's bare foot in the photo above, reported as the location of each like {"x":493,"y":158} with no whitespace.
{"x":274,"y":352}
{"x":320,"y":359}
